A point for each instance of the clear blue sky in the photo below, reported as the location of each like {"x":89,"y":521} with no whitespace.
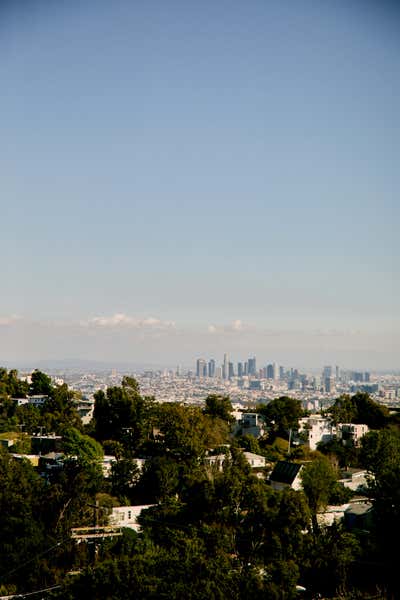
{"x":200,"y":163}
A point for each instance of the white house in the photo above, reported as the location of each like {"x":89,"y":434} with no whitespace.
{"x":318,"y":429}
{"x":255,"y":460}
{"x":354,"y":479}
{"x":36,"y":400}
{"x":109,"y":460}
{"x":126,"y":516}
{"x":249,"y":424}
{"x":351,"y":433}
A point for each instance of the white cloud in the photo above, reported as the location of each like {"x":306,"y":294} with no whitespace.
{"x":9,"y":320}
{"x":237,"y":325}
{"x":233,"y":327}
{"x":122,"y":320}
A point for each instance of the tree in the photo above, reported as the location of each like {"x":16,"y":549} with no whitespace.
{"x":186,"y":433}
{"x":318,"y":478}
{"x":380,"y":454}
{"x":131,"y":384}
{"x":85,"y":448}
{"x":219,"y":406}
{"x":125,"y":474}
{"x":40,"y":384}
{"x":282,"y":414}
{"x":331,"y":554}
{"x":21,"y":527}
{"x":121,"y":414}
{"x":359,"y":408}
{"x":59,"y":410}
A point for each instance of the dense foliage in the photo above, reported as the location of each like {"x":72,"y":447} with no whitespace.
{"x":215,"y":530}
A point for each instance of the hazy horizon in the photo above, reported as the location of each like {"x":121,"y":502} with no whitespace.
{"x":181,"y":180}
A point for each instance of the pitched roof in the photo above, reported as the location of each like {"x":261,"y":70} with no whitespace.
{"x":285,"y":471}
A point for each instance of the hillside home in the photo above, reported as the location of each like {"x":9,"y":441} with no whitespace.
{"x":126,"y":516}
{"x":249,"y":424}
{"x":318,"y":429}
{"x":286,"y":475}
{"x":351,"y":433}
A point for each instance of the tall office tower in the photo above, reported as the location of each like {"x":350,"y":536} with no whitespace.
{"x":270,"y":371}
{"x":367,"y":376}
{"x":329,"y":385}
{"x":240,"y":369}
{"x":252,"y":366}
{"x":218,"y":373}
{"x":225,"y":367}
{"x":337,"y":373}
{"x":327,"y":372}
{"x":275,"y":371}
{"x":201,"y":367}
{"x":246,"y":368}
{"x":231,"y":371}
{"x":178,"y":371}
{"x":281,"y":373}
{"x":264,"y":373}
{"x":211,"y":368}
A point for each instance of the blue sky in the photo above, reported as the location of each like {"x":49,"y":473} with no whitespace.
{"x":191,"y":166}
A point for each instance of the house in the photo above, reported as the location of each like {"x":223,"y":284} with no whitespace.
{"x":318,"y":429}
{"x":351,"y":433}
{"x":9,"y":440}
{"x":32,"y":458}
{"x":332,"y":514}
{"x":126,"y":516}
{"x":108,"y":461}
{"x":358,"y":515}
{"x":286,"y":475}
{"x":354,"y":479}
{"x":43,"y":444}
{"x":249,"y":424}
{"x":256,"y":461}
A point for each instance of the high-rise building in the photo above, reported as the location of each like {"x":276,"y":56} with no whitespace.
{"x":201,"y":368}
{"x":281,"y":373}
{"x":211,"y":368}
{"x":225,"y":367}
{"x":246,"y":368}
{"x":329,"y":384}
{"x":367,"y":376}
{"x":337,"y":373}
{"x":272,"y":371}
{"x":231,"y":371}
{"x":275,"y":372}
{"x":240,"y":369}
{"x":252,"y":368}
{"x":327,"y":372}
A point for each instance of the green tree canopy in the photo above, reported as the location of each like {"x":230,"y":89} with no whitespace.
{"x":121,"y":414}
{"x":219,"y":406}
{"x":40,"y":384}
{"x":318,"y":478}
{"x":282,"y":414}
{"x":359,"y":408}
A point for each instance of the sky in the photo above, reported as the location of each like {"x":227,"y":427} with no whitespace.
{"x":183,"y":179}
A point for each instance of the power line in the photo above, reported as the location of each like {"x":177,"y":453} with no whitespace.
{"x":25,"y":595}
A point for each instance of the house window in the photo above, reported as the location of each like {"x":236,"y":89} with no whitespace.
{"x":129,"y":515}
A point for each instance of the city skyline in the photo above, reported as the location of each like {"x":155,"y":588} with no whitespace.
{"x":200,"y":176}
